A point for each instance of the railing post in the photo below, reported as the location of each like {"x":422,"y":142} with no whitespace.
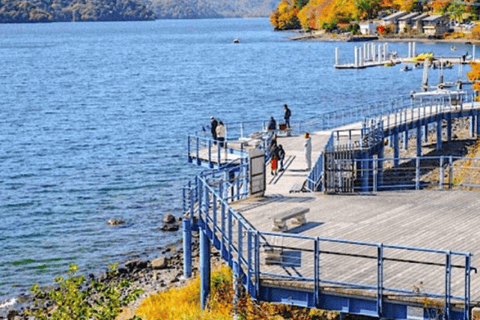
{"x":448,"y":284}
{"x":375,"y":174}
{"x":380,"y":280}
{"x":230,"y":237}
{"x":257,"y":265}
{"x":442,"y":174}
{"x":210,"y":163}
{"x":204,"y":268}
{"x":187,"y":248}
{"x":240,"y":243}
{"x":189,"y":149}
{"x":249,"y":260}
{"x":222,"y":221}
{"x":450,"y":172}
{"x":316,"y":270}
{"x":417,"y":173}
{"x":198,"y":151}
{"x":468,"y":264}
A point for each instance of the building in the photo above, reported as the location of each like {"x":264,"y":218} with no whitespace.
{"x":368,"y":27}
{"x":392,"y":20}
{"x":417,"y":22}
{"x":436,"y":26}
{"x":405,"y":23}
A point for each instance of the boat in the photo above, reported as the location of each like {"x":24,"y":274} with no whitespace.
{"x":236,"y":40}
{"x":453,"y":48}
{"x":406,"y":68}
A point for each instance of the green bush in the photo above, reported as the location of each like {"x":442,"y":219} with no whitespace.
{"x":75,"y":300}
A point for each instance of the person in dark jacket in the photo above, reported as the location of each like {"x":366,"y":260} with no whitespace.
{"x":213,"y":128}
{"x":272,"y":125}
{"x":281,"y":155}
{"x":287,"y":115}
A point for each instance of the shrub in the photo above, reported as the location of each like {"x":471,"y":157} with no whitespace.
{"x":74,"y":300}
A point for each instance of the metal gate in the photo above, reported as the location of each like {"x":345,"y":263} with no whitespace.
{"x":257,"y":172}
{"x":340,"y":172}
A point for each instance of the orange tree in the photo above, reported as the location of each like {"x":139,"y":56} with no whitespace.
{"x":285,"y":16}
{"x":474,"y":75}
{"x":440,"y":6}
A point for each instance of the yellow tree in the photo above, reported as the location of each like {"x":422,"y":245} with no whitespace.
{"x":405,"y":5}
{"x":474,"y":75}
{"x":285,"y":16}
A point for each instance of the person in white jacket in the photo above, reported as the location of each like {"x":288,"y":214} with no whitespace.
{"x":308,"y":150}
{"x":221,"y":134}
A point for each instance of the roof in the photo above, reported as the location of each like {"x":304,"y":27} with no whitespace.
{"x":421,"y":17}
{"x":411,"y":15}
{"x":395,"y":15}
{"x":434,"y":18}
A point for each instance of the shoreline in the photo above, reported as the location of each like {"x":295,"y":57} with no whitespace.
{"x":158,"y":274}
{"x":330,"y":37}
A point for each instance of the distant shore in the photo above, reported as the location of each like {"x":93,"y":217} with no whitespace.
{"x":325,"y":36}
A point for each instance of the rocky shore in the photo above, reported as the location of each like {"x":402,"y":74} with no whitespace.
{"x":154,"y":275}
{"x":327,"y":36}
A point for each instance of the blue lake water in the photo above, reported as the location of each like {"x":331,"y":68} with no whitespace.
{"x":94,"y":118}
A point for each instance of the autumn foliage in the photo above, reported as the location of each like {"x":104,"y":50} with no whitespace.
{"x":285,"y":16}
{"x":184,"y":304}
{"x":474,"y":75}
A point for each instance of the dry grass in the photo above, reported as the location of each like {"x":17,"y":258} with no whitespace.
{"x":184,"y":304}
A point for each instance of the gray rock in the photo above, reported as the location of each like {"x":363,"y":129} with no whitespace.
{"x":170,"y":227}
{"x":159,"y":263}
{"x":115,"y":222}
{"x":169,"y":218}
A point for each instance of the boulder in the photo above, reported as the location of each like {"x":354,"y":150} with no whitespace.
{"x":159,"y":263}
{"x":169,"y":218}
{"x":115,"y":222}
{"x":170,"y":227}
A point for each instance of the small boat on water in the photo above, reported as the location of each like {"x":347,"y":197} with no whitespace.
{"x":236,"y":40}
{"x":406,"y":68}
{"x":453,"y":48}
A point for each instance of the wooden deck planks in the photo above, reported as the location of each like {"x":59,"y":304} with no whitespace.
{"x":448,"y":220}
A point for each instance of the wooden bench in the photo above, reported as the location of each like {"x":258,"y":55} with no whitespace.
{"x":280,"y":219}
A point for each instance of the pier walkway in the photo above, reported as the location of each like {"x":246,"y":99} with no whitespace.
{"x":390,"y":254}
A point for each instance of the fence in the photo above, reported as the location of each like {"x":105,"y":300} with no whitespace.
{"x":323,"y":265}
{"x":430,"y":172}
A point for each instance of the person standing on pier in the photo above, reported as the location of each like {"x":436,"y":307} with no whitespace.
{"x":281,"y":155}
{"x":308,"y":150}
{"x":213,"y":128}
{"x":272,"y":125}
{"x":221,"y":134}
{"x":287,"y":115}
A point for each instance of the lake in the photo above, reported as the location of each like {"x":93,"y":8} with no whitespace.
{"x":94,"y":119}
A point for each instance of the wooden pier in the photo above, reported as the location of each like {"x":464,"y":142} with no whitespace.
{"x":370,"y":243}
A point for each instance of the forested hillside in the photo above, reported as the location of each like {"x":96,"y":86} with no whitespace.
{"x":73,"y":10}
{"x":121,"y":10}
{"x":213,"y":8}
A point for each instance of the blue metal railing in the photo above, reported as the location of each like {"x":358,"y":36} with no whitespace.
{"x":240,"y":243}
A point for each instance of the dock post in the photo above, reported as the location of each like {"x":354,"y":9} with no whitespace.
{"x":478,"y":126}
{"x":449,"y":128}
{"x":236,"y":289}
{"x":414,"y":49}
{"x":472,"y":126}
{"x":405,"y":139}
{"x":337,"y":55}
{"x":360,"y":56}
{"x":373,"y":51}
{"x":439,"y":134}
{"x":419,"y":140}
{"x":356,"y":57}
{"x":385,"y":51}
{"x":396,"y":149}
{"x":204,"y":268}
{"x":379,"y":52}
{"x":409,"y":50}
{"x":365,"y":52}
{"x":187,"y":247}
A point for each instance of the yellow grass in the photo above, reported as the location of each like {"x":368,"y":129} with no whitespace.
{"x":184,"y":304}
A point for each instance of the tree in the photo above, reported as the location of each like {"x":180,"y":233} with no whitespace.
{"x":457,"y":9}
{"x":368,"y":8}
